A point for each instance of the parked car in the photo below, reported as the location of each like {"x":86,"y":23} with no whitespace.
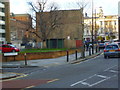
{"x":112,"y":50}
{"x":101,"y":45}
{"x":106,"y":43}
{"x":8,"y":48}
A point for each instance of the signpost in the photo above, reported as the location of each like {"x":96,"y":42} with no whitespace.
{"x":10,"y":54}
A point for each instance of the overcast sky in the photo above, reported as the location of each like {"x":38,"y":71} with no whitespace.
{"x":110,"y":7}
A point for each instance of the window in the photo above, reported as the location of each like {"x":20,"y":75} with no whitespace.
{"x":3,"y":26}
{"x":115,"y":22}
{"x":3,"y":35}
{"x":112,"y":47}
{"x":101,"y":23}
{"x":3,"y":9}
{"x":3,"y":18}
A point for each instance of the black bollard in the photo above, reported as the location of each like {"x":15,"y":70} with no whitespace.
{"x":76,"y":54}
{"x":96,"y":49}
{"x":89,"y":51}
{"x":25,"y":59}
{"x":67,"y":56}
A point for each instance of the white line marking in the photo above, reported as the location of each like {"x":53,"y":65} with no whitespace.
{"x":76,"y":83}
{"x":98,"y":82}
{"x":110,"y":68}
{"x":113,"y":71}
{"x":102,"y":76}
{"x":82,"y":81}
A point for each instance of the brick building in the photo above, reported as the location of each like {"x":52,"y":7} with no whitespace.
{"x":68,"y":34}
{"x":20,"y":25}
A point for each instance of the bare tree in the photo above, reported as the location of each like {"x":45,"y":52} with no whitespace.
{"x":82,"y":4}
{"x":46,"y":21}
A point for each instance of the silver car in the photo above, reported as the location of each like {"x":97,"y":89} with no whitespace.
{"x":112,"y":50}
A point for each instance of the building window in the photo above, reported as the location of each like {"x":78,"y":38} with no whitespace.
{"x":114,"y":22}
{"x":3,"y":9}
{"x":3,"y":26}
{"x":3,"y":35}
{"x":101,"y":23}
{"x":3,"y":18}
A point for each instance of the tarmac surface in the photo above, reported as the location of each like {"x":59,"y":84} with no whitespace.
{"x":41,"y":63}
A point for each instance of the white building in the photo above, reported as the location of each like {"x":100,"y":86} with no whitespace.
{"x":103,"y":26}
{"x":4,"y":21}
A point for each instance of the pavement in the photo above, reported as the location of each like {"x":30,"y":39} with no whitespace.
{"x":41,"y":63}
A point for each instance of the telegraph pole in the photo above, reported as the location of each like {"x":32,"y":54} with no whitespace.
{"x":92,"y":31}
{"x":119,"y":20}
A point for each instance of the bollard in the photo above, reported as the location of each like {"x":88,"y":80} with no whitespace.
{"x":67,"y":56}
{"x":89,"y":51}
{"x":96,"y":49}
{"x":25,"y":59}
{"x":76,"y":54}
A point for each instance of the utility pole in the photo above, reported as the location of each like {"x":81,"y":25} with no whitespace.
{"x":83,"y":48}
{"x":119,"y":20}
{"x":119,"y":27}
{"x":95,"y":27}
{"x":92,"y":31}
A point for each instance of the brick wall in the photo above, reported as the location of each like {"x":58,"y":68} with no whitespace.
{"x":41,"y":55}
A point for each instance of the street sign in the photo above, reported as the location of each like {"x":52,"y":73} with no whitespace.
{"x":11,"y":54}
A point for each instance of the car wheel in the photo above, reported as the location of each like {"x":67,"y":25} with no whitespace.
{"x":105,"y":57}
{"x":13,"y":50}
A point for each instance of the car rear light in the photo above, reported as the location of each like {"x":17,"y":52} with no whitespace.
{"x":118,"y":50}
{"x":105,"y":50}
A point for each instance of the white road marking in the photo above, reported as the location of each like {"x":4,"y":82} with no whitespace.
{"x":98,"y":82}
{"x":102,"y":76}
{"x":113,"y":71}
{"x":82,"y":81}
{"x":110,"y":68}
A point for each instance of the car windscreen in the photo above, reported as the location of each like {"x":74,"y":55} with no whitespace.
{"x":119,"y":44}
{"x":12,"y":46}
{"x":111,"y":47}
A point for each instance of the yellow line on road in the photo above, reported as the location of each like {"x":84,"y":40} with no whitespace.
{"x":22,"y":75}
{"x":30,"y":86}
{"x":52,"y":80}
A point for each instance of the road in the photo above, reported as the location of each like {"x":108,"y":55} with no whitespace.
{"x":93,"y":73}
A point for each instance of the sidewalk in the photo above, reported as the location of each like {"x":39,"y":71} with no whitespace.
{"x":41,"y":63}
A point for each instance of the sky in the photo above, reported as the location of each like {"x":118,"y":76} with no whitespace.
{"x":110,"y":7}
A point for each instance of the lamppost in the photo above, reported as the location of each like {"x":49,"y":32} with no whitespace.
{"x":119,"y":20}
{"x":92,"y":31}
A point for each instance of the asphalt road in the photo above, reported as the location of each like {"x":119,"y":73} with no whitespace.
{"x":93,"y":73}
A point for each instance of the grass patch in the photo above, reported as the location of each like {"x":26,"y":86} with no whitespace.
{"x":42,"y":50}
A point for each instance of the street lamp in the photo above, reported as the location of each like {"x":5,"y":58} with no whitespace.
{"x":119,"y":20}
{"x":92,"y":31}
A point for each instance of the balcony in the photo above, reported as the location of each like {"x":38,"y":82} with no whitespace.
{"x":2,"y":14}
{"x":2,"y":30}
{"x":2,"y":5}
{"x":2,"y":39}
{"x":2,"y":22}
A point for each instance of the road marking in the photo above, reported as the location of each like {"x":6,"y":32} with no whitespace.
{"x":30,"y":86}
{"x":52,"y":80}
{"x":22,"y":75}
{"x":110,"y":68}
{"x":102,"y":76}
{"x":98,"y":82}
{"x":113,"y":71}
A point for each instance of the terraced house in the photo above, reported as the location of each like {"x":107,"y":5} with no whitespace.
{"x":4,"y":21}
